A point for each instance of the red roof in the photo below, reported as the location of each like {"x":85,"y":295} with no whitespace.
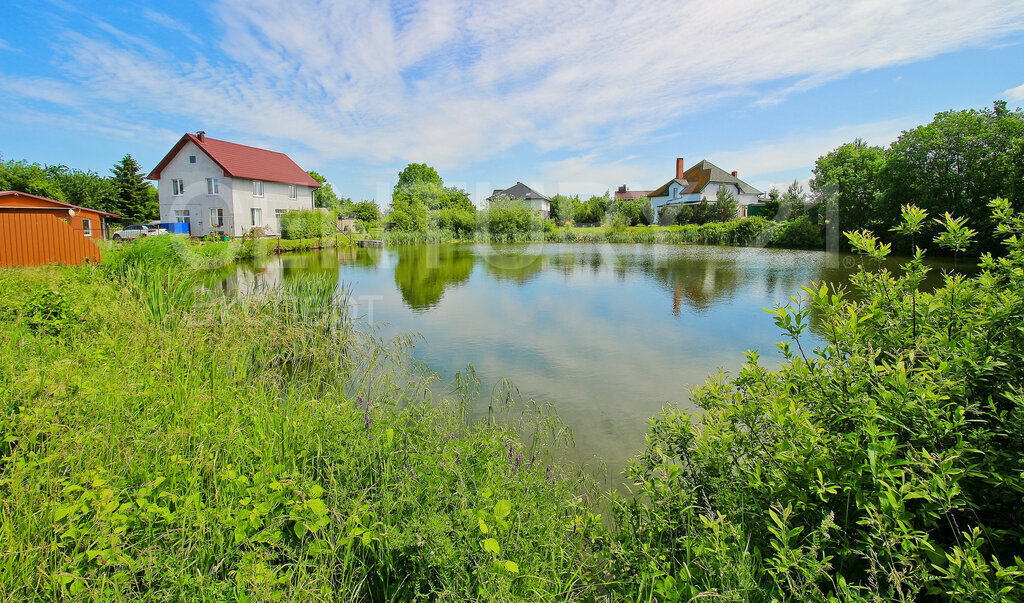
{"x":53,"y":201}
{"x":241,"y":161}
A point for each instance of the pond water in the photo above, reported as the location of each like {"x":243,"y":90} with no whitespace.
{"x":608,"y":333}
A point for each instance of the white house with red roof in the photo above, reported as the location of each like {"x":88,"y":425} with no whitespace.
{"x":223,"y":187}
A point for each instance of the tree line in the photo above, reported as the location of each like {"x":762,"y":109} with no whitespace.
{"x":125,"y":192}
{"x":957,"y":164}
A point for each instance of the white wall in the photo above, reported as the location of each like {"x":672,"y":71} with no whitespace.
{"x":195,"y":200}
{"x":275,"y":196}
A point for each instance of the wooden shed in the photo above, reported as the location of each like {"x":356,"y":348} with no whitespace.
{"x":35,"y":231}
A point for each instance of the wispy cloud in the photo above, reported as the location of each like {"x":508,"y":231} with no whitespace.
{"x":170,"y":23}
{"x":1015,"y":93}
{"x":457,"y":81}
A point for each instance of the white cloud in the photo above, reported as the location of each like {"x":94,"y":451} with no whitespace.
{"x":1015,"y":93}
{"x":800,"y":150}
{"x":170,"y":23}
{"x":458,"y":82}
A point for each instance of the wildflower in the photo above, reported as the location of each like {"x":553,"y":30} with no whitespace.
{"x":547,"y":475}
{"x":510,"y":453}
{"x":532,"y":459}
{"x":519,"y":461}
{"x":458,"y":459}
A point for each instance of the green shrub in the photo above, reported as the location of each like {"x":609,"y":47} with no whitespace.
{"x":885,"y":464}
{"x":458,"y":220}
{"x":799,"y":233}
{"x":307,"y":224}
{"x":509,"y":219}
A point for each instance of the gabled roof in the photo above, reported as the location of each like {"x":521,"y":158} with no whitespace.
{"x":702,"y":174}
{"x":53,"y":201}
{"x":631,"y":194}
{"x":519,"y":191}
{"x":241,"y":161}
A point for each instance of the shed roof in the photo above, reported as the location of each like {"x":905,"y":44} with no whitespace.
{"x":6,"y":196}
{"x":241,"y":161}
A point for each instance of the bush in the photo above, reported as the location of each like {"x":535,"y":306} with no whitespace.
{"x":307,"y":224}
{"x":799,"y":233}
{"x":884,"y":465}
{"x":509,"y":219}
{"x":460,"y":221}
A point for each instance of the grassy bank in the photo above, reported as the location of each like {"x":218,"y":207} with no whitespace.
{"x":162,"y":444}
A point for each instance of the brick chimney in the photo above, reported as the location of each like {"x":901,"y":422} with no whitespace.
{"x":735,"y":174}
{"x":679,"y":168}
{"x":622,"y":188}
{"x":201,"y":135}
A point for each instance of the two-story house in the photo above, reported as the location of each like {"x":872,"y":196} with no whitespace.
{"x":223,"y":187}
{"x":701,"y":182}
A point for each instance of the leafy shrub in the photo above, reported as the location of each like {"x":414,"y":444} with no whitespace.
{"x":799,"y":233}
{"x":307,"y":224}
{"x":505,"y":219}
{"x":49,"y":312}
{"x":460,"y":221}
{"x":884,"y":465}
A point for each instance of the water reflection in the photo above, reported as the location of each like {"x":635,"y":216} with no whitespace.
{"x":609,"y":333}
{"x":423,"y":272}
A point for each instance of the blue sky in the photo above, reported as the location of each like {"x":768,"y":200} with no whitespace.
{"x":565,"y":97}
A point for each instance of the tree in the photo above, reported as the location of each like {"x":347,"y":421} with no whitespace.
{"x":367,"y":211}
{"x":561,"y":209}
{"x":134,"y":200}
{"x":794,"y":201}
{"x":847,"y":179}
{"x":408,"y":213}
{"x":773,"y":203}
{"x":417,"y":172}
{"x":956,"y":164}
{"x":726,"y":206}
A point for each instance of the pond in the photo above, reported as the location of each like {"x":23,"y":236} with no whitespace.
{"x":608,"y":333}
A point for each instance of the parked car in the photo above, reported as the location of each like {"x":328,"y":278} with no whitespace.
{"x":137,"y":231}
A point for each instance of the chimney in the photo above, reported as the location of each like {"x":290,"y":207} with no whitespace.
{"x":679,"y":168}
{"x":622,"y":188}
{"x":201,"y":135}
{"x":735,"y":174}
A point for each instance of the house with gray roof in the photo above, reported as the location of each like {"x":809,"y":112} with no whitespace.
{"x":538,"y":202}
{"x":702,"y":182}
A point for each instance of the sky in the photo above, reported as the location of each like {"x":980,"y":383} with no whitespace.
{"x":568,"y":97}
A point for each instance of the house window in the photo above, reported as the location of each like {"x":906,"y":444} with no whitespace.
{"x":212,"y":186}
{"x":179,"y":187}
{"x":191,"y":158}
{"x":257,"y":188}
{"x":292,"y":193}
{"x":86,"y":227}
{"x":216,"y":217}
{"x":277,"y":215}
{"x":181,"y":216}
{"x":257,"y":216}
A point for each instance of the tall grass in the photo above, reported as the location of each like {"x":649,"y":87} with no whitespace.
{"x":158,"y":443}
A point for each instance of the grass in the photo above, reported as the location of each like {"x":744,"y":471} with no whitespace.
{"x":162,"y":443}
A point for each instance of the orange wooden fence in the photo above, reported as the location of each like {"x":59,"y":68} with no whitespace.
{"x":37,"y":239}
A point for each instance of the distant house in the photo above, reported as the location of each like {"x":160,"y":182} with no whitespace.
{"x":219,"y":186}
{"x":35,"y":231}
{"x":538,"y":202}
{"x":702,"y":182}
{"x":623,"y":194}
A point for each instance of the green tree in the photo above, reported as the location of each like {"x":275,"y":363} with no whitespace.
{"x":846,"y":179}
{"x":773,"y":203}
{"x":367,"y":211}
{"x":561,"y":208}
{"x":134,"y":201}
{"x":30,"y":178}
{"x":408,"y":213}
{"x":726,"y":206}
{"x":956,"y":164}
{"x":417,"y":172}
